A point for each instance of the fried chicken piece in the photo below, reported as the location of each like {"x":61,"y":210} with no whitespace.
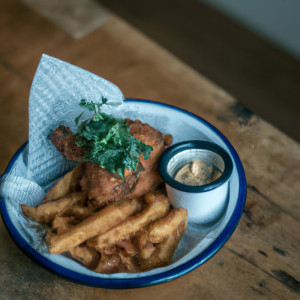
{"x":149,"y":136}
{"x":168,"y":139}
{"x":104,"y":187}
{"x":147,"y":181}
{"x":65,"y":142}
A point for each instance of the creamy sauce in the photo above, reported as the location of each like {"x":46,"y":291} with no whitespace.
{"x":197,"y":173}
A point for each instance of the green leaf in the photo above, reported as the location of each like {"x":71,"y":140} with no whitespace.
{"x":108,"y":141}
{"x":78,"y":118}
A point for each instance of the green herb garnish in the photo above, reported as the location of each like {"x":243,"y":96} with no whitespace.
{"x":108,"y":141}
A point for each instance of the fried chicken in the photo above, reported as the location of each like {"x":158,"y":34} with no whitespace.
{"x":65,"y":142}
{"x":104,"y":187}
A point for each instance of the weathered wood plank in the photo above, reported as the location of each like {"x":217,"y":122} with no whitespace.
{"x":75,"y":17}
{"x":13,"y":103}
{"x":261,"y":260}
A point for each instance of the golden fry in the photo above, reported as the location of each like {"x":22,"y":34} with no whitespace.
{"x":163,"y":228}
{"x":116,"y":262}
{"x":157,"y":208}
{"x":65,"y":185}
{"x":98,"y":223}
{"x":61,"y":224}
{"x":45,"y":212}
{"x":86,"y":255}
{"x":146,"y":249}
{"x":167,"y":232}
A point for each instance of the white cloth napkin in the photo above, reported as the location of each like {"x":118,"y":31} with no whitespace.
{"x":56,"y":91}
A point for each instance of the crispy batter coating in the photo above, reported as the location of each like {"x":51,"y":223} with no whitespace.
{"x":146,"y":182}
{"x":64,"y":140}
{"x":165,"y":227}
{"x":104,"y":187}
{"x":61,"y":224}
{"x":149,"y":136}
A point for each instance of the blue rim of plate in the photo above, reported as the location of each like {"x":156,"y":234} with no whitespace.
{"x":152,"y":279}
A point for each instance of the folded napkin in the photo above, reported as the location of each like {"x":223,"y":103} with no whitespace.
{"x":56,"y":91}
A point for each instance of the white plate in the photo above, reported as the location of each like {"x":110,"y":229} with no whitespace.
{"x":198,"y":243}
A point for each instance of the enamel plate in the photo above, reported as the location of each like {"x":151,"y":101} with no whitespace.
{"x":198,"y":244}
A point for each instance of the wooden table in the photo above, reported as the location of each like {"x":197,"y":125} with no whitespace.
{"x":261,"y":260}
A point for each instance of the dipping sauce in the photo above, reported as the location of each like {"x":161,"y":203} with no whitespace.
{"x":197,"y":173}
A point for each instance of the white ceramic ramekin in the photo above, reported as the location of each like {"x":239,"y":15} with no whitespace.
{"x":205,"y":203}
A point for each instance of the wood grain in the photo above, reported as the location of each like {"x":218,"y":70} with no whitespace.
{"x":75,"y":17}
{"x":263,"y":77}
{"x":261,"y":260}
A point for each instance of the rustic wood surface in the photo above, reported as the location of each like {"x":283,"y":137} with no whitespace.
{"x":260,"y":261}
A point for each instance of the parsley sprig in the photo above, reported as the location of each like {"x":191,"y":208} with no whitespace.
{"x":108,"y":141}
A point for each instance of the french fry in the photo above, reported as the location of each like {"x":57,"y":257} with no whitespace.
{"x":65,"y":185}
{"x":146,"y":249}
{"x":109,"y":264}
{"x":167,"y":233}
{"x":86,"y":255}
{"x":79,"y":211}
{"x":116,"y":262}
{"x":62,"y":224}
{"x":98,"y":223}
{"x":163,"y":228}
{"x":157,"y":208}
{"x":159,"y":230}
{"x":45,"y":212}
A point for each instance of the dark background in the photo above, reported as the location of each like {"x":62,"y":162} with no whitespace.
{"x":261,"y":76}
